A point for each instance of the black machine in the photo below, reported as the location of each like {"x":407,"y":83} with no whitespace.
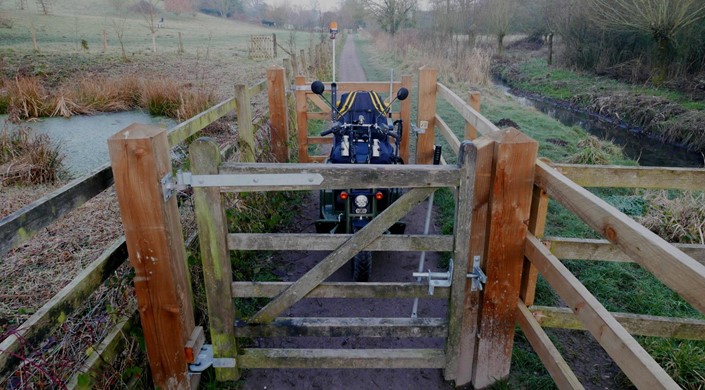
{"x":361,"y":128}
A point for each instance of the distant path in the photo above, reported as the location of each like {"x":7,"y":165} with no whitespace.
{"x":350,"y":68}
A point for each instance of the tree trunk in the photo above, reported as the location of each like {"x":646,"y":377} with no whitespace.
{"x":663,"y":60}
{"x":500,"y":44}
{"x":550,"y":48}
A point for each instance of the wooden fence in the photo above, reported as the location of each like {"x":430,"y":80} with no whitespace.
{"x":24,"y":223}
{"x":680,"y":267}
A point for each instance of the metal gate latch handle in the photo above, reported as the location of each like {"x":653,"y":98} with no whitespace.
{"x":436,"y":279}
{"x":477,"y":277}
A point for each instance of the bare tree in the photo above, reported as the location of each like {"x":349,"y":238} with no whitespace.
{"x":226,"y":7}
{"x":149,"y":11}
{"x":119,"y":28}
{"x":662,"y":19}
{"x":392,"y":14}
{"x":44,"y":6}
{"x":499,"y":15}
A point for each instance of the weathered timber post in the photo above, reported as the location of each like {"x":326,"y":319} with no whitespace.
{"x":406,"y":81}
{"x":286,"y":63}
{"x":302,"y":119}
{"x":510,"y":202}
{"x":478,"y":238}
{"x":217,"y":271}
{"x":537,"y":225}
{"x":428,"y":85}
{"x":274,"y":45}
{"x":304,"y":66}
{"x":463,"y":218}
{"x":244,"y":124}
{"x":295,"y":64}
{"x":278,"y":115}
{"x":474,"y":102}
{"x":140,"y":159}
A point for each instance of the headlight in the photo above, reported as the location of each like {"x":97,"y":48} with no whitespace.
{"x":361,"y":201}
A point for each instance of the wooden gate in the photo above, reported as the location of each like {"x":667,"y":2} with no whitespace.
{"x":261,"y":47}
{"x":210,"y":179}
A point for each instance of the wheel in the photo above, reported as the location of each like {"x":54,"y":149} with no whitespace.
{"x":362,"y":266}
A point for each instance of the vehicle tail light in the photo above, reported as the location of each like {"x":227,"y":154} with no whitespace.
{"x":343,"y":195}
{"x":379,"y":195}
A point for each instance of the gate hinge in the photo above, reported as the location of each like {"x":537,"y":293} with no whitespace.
{"x":437,"y":279}
{"x":171,"y":183}
{"x":205,"y":359}
{"x":477,"y":277}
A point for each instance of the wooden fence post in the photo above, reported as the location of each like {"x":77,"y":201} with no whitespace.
{"x":478,"y":239}
{"x":217,"y":271}
{"x":286,"y":63}
{"x":244,"y":124}
{"x":295,"y":65}
{"x":467,"y":157}
{"x":304,"y":66}
{"x":274,"y":45}
{"x":406,"y":81}
{"x":428,"y":85}
{"x":474,"y":102}
{"x":510,"y":202}
{"x":537,"y":225}
{"x":302,"y":119}
{"x":278,"y":118}
{"x":140,"y":159}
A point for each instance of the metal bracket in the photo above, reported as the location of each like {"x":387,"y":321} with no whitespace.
{"x":205,"y":359}
{"x":170,"y":183}
{"x":437,"y":279}
{"x":421,"y":129}
{"x":477,"y":277}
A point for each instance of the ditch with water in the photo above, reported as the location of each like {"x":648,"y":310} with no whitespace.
{"x":83,"y":139}
{"x":648,"y":151}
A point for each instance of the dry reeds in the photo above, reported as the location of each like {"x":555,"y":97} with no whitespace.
{"x":26,"y":98}
{"x":161,"y":97}
{"x":457,"y":62}
{"x":26,"y":159}
{"x":595,"y":151}
{"x":676,"y":219}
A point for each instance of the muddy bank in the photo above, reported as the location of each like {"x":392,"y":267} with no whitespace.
{"x":658,"y":117}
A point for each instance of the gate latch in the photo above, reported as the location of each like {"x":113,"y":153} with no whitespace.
{"x":477,"y":277}
{"x":205,"y":359}
{"x":437,"y":279}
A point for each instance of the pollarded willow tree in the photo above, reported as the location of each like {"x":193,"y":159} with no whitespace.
{"x":498,"y":17}
{"x":661,"y":19}
{"x":392,"y":14}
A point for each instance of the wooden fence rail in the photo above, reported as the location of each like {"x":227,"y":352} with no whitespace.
{"x":679,"y":266}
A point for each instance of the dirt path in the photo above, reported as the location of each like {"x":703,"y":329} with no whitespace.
{"x":350,"y":67}
{"x":387,"y":267}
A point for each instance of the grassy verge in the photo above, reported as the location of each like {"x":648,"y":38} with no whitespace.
{"x":669,"y":115}
{"x":620,"y":287}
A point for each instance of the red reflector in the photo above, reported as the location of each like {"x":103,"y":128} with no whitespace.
{"x":343,"y":195}
{"x":379,"y":196}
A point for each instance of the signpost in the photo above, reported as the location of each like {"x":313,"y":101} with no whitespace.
{"x":333,"y":31}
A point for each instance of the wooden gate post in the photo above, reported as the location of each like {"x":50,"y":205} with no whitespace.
{"x":478,"y":238}
{"x":244,"y":124}
{"x":537,"y":225}
{"x":426,"y":115}
{"x":474,"y":102}
{"x":510,"y":201}
{"x":217,"y":270}
{"x":406,"y":81}
{"x":140,"y":159}
{"x":302,"y":119}
{"x":278,"y":113}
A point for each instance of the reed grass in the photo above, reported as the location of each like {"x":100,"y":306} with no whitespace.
{"x":27,"y":98}
{"x":679,"y":219}
{"x":595,"y":151}
{"x":27,"y":159}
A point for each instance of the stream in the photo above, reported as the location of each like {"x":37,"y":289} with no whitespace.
{"x":648,"y":151}
{"x":83,"y":138}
